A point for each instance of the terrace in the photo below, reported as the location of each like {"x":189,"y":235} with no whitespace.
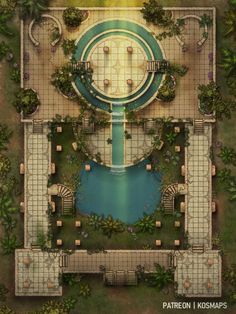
{"x":135,"y":147}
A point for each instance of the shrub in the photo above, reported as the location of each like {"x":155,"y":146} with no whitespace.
{"x":4,"y":49}
{"x":211,"y":101}
{"x":154,"y":13}
{"x":68,"y":46}
{"x":166,"y":92}
{"x":72,"y":17}
{"x":5,"y":166}
{"x":146,"y":224}
{"x":62,"y":79}
{"x":26,"y":101}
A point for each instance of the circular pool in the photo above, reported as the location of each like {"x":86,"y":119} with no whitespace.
{"x":125,"y":74}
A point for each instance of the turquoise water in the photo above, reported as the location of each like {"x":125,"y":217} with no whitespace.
{"x":125,"y":196}
{"x":117,"y":135}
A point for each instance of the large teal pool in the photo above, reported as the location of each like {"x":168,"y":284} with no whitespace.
{"x":131,"y":30}
{"x":125,"y":196}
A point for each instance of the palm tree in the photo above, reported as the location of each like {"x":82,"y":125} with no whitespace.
{"x":224,"y":175}
{"x":95,"y":221}
{"x":161,"y":277}
{"x":32,"y":8}
{"x":84,"y":290}
{"x":9,"y":243}
{"x":110,"y":226}
{"x":170,"y":137}
{"x":146,"y":224}
{"x":228,"y":155}
{"x":232,"y":189}
{"x":5,"y":165}
{"x":5,"y":135}
{"x":230,"y":23}
{"x":229,"y":62}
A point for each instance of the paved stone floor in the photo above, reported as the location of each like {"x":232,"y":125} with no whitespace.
{"x":118,"y":66}
{"x":37,"y":169}
{"x":43,"y":62}
{"x":37,"y":273}
{"x":198,"y":221}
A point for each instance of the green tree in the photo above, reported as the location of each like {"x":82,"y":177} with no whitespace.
{"x":110,"y":226}
{"x":6,"y":15}
{"x":95,"y":221}
{"x":32,"y":9}
{"x":171,"y":137}
{"x":9,"y":243}
{"x":72,"y":17}
{"x":228,"y":155}
{"x":230,"y":22}
{"x":146,"y":224}
{"x":161,"y":277}
{"x":223,"y":175}
{"x":231,"y":188}
{"x":84,"y":290}
{"x":211,"y":101}
{"x":26,"y":101}
{"x":154,"y":13}
{"x":229,"y":62}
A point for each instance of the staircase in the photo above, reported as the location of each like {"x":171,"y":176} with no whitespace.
{"x":63,"y":262}
{"x":67,"y":199}
{"x":198,"y":127}
{"x":168,"y":196}
{"x":157,"y":66}
{"x":198,"y":248}
{"x":38,"y":126}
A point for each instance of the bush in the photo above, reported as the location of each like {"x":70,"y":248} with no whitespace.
{"x":62,"y":80}
{"x":68,"y":46}
{"x":4,"y":49}
{"x":72,"y":17}
{"x":26,"y":101}
{"x":211,"y":101}
{"x":166,"y":92}
{"x":5,"y":165}
{"x":154,"y":13}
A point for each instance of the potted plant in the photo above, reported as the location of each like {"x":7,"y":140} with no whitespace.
{"x":72,"y":17}
{"x":26,"y":101}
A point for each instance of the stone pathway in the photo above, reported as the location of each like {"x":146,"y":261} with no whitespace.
{"x":37,"y":169}
{"x":199,"y":181}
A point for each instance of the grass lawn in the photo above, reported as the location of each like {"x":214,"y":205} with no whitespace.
{"x":68,"y":162}
{"x":96,"y":240}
